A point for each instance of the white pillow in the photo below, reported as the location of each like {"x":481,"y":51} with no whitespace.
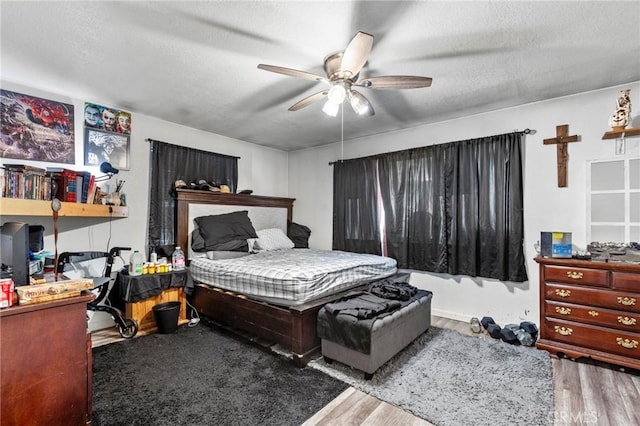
{"x":272,"y":239}
{"x":251,"y":242}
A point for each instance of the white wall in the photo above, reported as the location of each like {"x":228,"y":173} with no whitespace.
{"x":547,"y":207}
{"x":262,"y":169}
{"x":306,"y":176}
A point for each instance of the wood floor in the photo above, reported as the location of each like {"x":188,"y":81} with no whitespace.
{"x":586,"y":392}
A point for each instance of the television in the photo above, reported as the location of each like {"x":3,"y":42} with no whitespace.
{"x":14,"y":252}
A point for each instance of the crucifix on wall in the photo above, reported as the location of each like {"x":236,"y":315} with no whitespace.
{"x":560,"y":141}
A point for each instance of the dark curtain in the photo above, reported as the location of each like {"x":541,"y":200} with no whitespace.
{"x":355,"y":208}
{"x":485,"y":208}
{"x":169,"y":163}
{"x":413,"y":188}
{"x":454,"y":208}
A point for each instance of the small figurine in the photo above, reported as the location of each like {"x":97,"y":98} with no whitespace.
{"x":620,"y":118}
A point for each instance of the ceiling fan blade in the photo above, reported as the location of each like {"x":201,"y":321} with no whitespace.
{"x":357,"y":53}
{"x":308,"y":100}
{"x":360,"y":104}
{"x":291,"y":72}
{"x":395,"y":82}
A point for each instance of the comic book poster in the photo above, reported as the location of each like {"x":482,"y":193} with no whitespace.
{"x":106,"y":136}
{"x":36,"y":129}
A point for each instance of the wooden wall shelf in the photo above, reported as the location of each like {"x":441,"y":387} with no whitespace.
{"x":22,"y":207}
{"x":614,"y":134}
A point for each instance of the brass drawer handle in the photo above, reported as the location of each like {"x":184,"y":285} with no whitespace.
{"x":565,"y":331}
{"x":574,"y":275}
{"x":563,"y":311}
{"x":627,"y":320}
{"x":627,"y":301}
{"x":564,"y":293}
{"x":594,"y":313}
{"x":626,"y":343}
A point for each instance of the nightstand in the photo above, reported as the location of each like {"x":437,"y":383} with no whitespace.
{"x":137,"y":295}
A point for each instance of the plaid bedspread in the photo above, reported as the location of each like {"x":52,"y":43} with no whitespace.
{"x":292,"y":276}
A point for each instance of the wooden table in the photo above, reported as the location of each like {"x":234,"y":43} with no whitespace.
{"x":137,"y":295}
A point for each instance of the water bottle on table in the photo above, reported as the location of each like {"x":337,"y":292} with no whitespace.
{"x":178,"y":259}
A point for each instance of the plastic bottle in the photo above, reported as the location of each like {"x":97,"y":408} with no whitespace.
{"x":153,"y":257}
{"x":178,"y":259}
{"x":135,"y":263}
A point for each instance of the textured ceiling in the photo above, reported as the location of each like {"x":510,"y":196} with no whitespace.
{"x":195,"y":63}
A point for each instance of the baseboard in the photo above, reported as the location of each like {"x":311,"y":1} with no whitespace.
{"x":450,"y":315}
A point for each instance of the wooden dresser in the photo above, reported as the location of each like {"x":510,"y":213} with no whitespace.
{"x":45,"y":363}
{"x":590,"y":309}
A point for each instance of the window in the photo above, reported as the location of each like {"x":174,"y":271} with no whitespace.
{"x":453,"y":208}
{"x":613,"y":203}
{"x":169,"y":163}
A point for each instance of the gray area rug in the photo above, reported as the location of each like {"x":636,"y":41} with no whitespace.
{"x":200,"y":376}
{"x":447,"y":378}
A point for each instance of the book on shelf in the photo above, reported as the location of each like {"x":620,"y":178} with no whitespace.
{"x":55,"y":169}
{"x":99,"y":195}
{"x":86,"y":180}
{"x":79,"y":185}
{"x":35,"y":183}
{"x":25,"y":168}
{"x":91,"y":190}
{"x":23,"y":181}
{"x":69,"y":186}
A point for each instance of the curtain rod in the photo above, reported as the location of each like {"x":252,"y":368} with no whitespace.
{"x":526,"y":131}
{"x":195,"y":149}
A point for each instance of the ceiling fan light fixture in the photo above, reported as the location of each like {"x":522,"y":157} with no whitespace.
{"x":342,"y":70}
{"x":359,"y":105}
{"x":330,"y":108}
{"x":336,"y":94}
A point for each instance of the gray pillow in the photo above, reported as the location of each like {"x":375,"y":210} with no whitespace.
{"x":223,"y":228}
{"x":224,"y":255}
{"x":198,"y":244}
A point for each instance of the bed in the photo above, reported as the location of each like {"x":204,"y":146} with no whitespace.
{"x":246,"y":303}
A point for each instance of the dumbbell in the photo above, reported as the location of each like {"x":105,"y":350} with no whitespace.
{"x":508,"y":334}
{"x":525,"y":338}
{"x":485,"y":321}
{"x":494,"y":330}
{"x":530,"y":328}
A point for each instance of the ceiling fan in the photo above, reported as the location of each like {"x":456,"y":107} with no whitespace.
{"x":343,"y":74}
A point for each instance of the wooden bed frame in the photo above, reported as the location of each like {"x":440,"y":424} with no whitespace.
{"x":292,"y":327}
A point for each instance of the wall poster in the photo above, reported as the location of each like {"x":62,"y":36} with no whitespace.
{"x":36,"y":129}
{"x":106,"y":136}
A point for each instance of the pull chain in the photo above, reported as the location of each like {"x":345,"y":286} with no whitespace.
{"x":342,"y":131}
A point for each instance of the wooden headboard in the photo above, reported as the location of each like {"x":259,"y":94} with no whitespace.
{"x":186,"y":197}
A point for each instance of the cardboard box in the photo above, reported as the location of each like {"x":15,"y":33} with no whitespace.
{"x":29,"y":294}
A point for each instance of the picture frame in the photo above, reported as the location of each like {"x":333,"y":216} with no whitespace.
{"x":101,"y":146}
{"x":36,"y":129}
{"x":106,"y":136}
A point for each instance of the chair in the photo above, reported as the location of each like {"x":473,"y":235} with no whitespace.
{"x":83,"y":264}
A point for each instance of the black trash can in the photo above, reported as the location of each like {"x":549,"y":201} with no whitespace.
{"x":166,"y":315}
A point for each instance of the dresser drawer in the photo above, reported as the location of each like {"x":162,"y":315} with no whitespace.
{"x":625,"y":321}
{"x":582,"y":276}
{"x":618,"y":300}
{"x":600,"y":338}
{"x":626,"y":282}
